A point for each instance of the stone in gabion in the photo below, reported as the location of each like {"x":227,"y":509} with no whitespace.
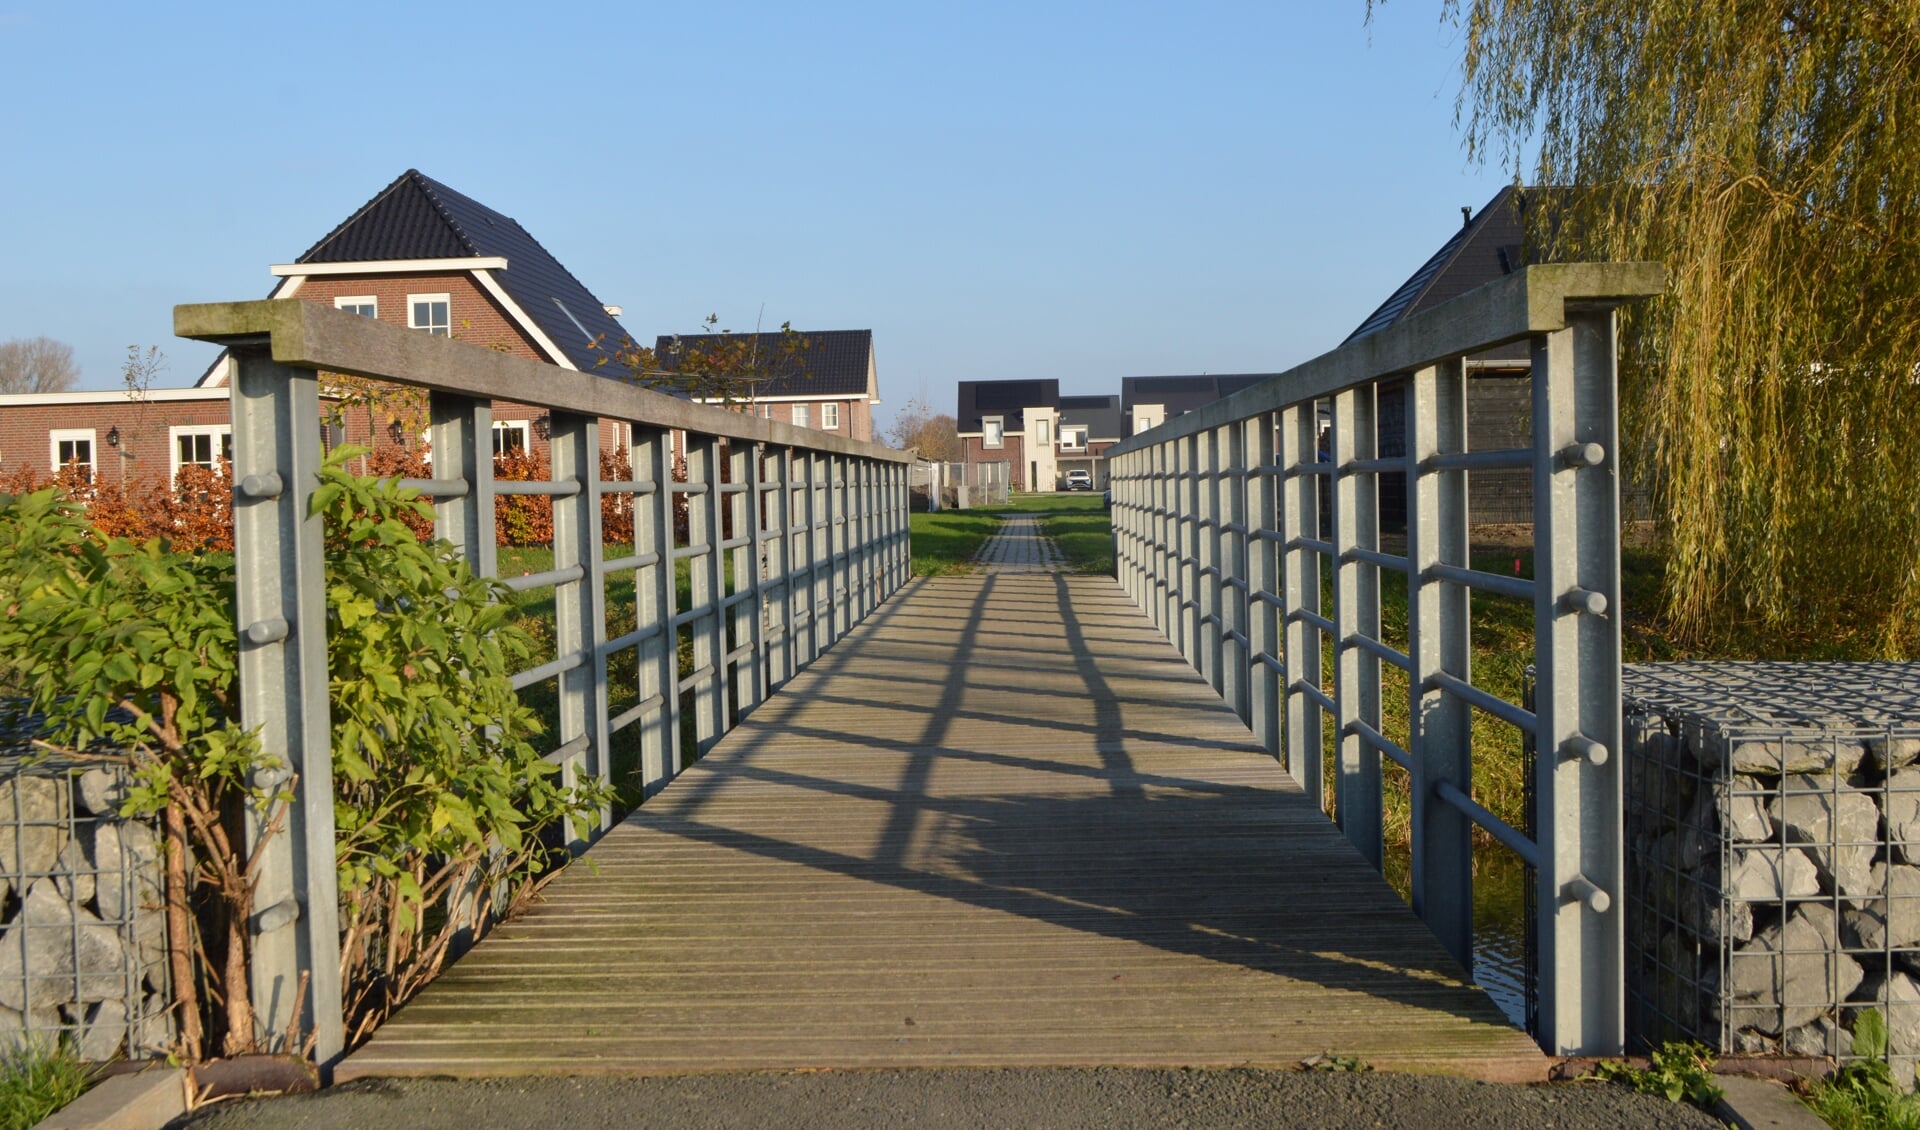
{"x":101,"y":792}
{"x":103,"y":1030}
{"x":1822,"y":1037}
{"x":1902,"y":806}
{"x":1745,"y":801}
{"x":1891,"y":752}
{"x":41,"y":835}
{"x":77,"y":884}
{"x":1892,"y":922}
{"x":1768,"y":875}
{"x":1839,"y":824}
{"x":56,"y":933}
{"x":1787,"y":975}
{"x":117,"y":845}
{"x":1898,"y":999}
{"x":1703,"y":912}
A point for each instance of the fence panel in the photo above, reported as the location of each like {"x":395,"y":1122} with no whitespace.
{"x":790,"y":538}
{"x":1279,"y":489}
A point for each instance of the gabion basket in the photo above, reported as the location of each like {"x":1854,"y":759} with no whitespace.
{"x":1773,"y":850}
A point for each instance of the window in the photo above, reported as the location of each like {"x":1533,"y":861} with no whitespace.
{"x":1073,"y":438}
{"x":993,"y":431}
{"x":430,"y":312}
{"x":509,"y":435}
{"x":73,"y":446}
{"x":829,"y":416}
{"x":201,"y":446}
{"x":365,"y":305}
{"x":800,"y":418}
{"x":1040,"y":435}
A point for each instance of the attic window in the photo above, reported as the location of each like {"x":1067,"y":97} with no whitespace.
{"x":430,"y":312}
{"x":993,"y":431}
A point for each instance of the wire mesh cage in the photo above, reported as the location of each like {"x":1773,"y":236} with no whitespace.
{"x":83,"y":947}
{"x":1773,"y":845}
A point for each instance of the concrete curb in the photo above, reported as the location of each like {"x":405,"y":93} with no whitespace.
{"x":143,"y":1100}
{"x":1762,"y":1104}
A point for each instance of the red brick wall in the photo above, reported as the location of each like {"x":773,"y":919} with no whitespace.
{"x":475,"y":316}
{"x":972,"y":450}
{"x":144,"y":446}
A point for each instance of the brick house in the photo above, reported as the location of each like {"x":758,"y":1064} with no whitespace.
{"x":418,"y":254}
{"x":422,"y":255}
{"x":829,"y":384}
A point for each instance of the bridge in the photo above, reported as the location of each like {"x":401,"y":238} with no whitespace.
{"x":1013,"y":818}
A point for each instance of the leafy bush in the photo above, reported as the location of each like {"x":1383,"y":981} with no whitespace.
{"x":441,"y":800}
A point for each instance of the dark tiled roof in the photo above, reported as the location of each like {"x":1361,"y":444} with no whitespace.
{"x":1101,"y":415}
{"x":1180,"y":395}
{"x":417,"y":217}
{"x":830,"y":363}
{"x":1004,"y":398}
{"x":1482,"y":250}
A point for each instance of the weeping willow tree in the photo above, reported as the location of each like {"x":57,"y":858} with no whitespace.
{"x":1769,"y":155}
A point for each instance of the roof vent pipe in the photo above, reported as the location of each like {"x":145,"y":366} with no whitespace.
{"x":1466,"y":215}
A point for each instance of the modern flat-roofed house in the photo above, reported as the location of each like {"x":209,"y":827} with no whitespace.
{"x":1038,"y":433}
{"x":1088,"y":425}
{"x":1011,"y":422}
{"x":820,"y":379}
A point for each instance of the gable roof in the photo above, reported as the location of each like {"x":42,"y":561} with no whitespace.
{"x":1006,"y":399}
{"x":1488,"y":246}
{"x":417,"y":217}
{"x":832,"y":364}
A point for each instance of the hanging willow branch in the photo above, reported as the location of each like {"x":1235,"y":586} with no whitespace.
{"x":1769,"y":155}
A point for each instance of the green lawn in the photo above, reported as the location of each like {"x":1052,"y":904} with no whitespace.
{"x":945,"y":542}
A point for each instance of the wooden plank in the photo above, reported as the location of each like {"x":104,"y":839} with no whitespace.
{"x":1000,"y":824}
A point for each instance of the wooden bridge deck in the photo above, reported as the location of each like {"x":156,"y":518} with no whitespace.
{"x":1000,"y":824}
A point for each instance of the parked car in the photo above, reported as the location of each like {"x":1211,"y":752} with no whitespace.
{"x":1079,"y":480}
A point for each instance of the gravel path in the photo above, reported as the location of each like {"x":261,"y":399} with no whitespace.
{"x":1107,"y":1098}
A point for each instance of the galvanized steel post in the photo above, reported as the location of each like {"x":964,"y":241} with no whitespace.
{"x":281,"y":609}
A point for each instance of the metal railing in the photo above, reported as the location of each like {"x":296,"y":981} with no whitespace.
{"x":793,"y":536}
{"x":1230,"y":519}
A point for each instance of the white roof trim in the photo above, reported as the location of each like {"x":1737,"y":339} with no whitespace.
{"x":527,"y":325}
{"x":110,"y":396}
{"x":392,"y":266}
{"x":817,"y":398}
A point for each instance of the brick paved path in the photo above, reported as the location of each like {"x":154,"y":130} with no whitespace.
{"x":1019,"y":547}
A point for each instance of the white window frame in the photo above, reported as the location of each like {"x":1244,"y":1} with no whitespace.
{"x":1073,"y":437}
{"x":993,"y":432}
{"x":58,"y":436}
{"x":830,"y":417}
{"x":355,"y":302}
{"x":523,"y":427}
{"x":213,"y":432}
{"x":801,"y":416}
{"x":1041,"y":426}
{"x":413,"y":303}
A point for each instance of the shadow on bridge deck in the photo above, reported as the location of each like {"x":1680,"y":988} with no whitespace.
{"x":1002,"y":823}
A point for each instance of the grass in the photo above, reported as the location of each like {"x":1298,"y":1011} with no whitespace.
{"x":946,"y":542}
{"x":37,"y":1079}
{"x":1079,"y":524}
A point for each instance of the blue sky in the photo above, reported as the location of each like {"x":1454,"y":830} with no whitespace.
{"x":1083,"y":191}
